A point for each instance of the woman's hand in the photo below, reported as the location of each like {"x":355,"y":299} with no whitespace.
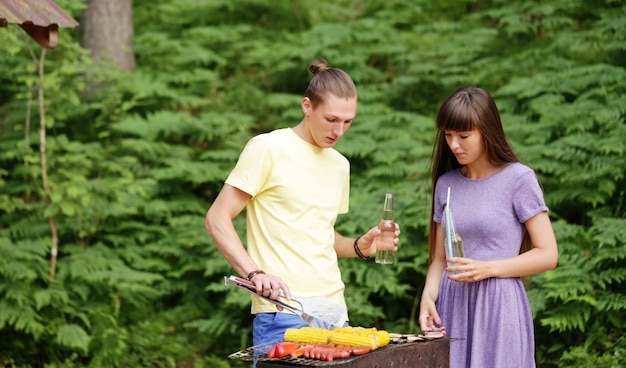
{"x":429,"y":319}
{"x":467,"y":270}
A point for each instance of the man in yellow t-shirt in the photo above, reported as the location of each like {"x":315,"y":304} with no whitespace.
{"x":293,"y":184}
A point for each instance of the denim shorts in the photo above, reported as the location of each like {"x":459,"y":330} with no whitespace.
{"x":270,"y":327}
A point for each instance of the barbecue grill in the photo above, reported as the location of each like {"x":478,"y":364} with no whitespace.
{"x":415,"y":354}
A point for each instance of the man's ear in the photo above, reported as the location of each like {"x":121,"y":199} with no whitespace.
{"x":307,"y":106}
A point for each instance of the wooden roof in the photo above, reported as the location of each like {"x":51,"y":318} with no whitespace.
{"x":41,"y":19}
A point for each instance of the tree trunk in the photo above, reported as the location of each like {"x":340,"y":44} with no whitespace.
{"x":107,"y":30}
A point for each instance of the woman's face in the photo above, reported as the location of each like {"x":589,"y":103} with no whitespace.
{"x":327,"y":122}
{"x":468,"y":146}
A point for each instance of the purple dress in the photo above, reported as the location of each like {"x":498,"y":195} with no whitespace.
{"x":492,"y":317}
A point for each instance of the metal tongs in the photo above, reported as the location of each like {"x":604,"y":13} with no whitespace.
{"x":308,"y":318}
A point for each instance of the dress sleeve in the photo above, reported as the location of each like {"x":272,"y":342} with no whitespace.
{"x":528,"y":198}
{"x":438,"y":202}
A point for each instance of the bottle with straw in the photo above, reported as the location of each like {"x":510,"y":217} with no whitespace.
{"x":452,"y":242}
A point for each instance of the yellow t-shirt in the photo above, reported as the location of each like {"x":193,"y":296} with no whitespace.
{"x":297,"y":190}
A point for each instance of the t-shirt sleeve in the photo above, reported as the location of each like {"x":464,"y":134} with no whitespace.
{"x":528,"y":198}
{"x":253,"y":167}
{"x":345,"y":199}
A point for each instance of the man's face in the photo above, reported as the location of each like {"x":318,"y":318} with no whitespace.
{"x":328,"y":121}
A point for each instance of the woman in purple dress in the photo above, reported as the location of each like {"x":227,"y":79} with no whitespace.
{"x":500,"y":214}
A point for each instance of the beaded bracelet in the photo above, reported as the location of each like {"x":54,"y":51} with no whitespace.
{"x":357,"y":250}
{"x":254,"y":273}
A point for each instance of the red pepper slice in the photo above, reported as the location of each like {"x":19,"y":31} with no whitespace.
{"x":298,"y":352}
{"x":285,"y":348}
{"x":272,"y":353}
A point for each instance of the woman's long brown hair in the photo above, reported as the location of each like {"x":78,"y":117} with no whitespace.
{"x":468,"y":108}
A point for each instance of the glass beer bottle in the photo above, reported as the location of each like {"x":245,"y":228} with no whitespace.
{"x":388,"y":229}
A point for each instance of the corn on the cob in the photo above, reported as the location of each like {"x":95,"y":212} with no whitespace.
{"x":361,"y":337}
{"x":354,"y":339}
{"x":350,"y":329}
{"x":348,"y":336}
{"x":383,"y":338}
{"x":312,"y":335}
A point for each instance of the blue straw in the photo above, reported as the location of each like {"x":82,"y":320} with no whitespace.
{"x":448,"y":221}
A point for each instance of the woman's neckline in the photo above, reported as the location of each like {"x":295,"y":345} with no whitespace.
{"x":482,"y":174}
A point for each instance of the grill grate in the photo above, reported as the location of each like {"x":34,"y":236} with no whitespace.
{"x":259,"y":353}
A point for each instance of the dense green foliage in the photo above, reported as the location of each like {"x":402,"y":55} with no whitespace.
{"x":135,"y":159}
